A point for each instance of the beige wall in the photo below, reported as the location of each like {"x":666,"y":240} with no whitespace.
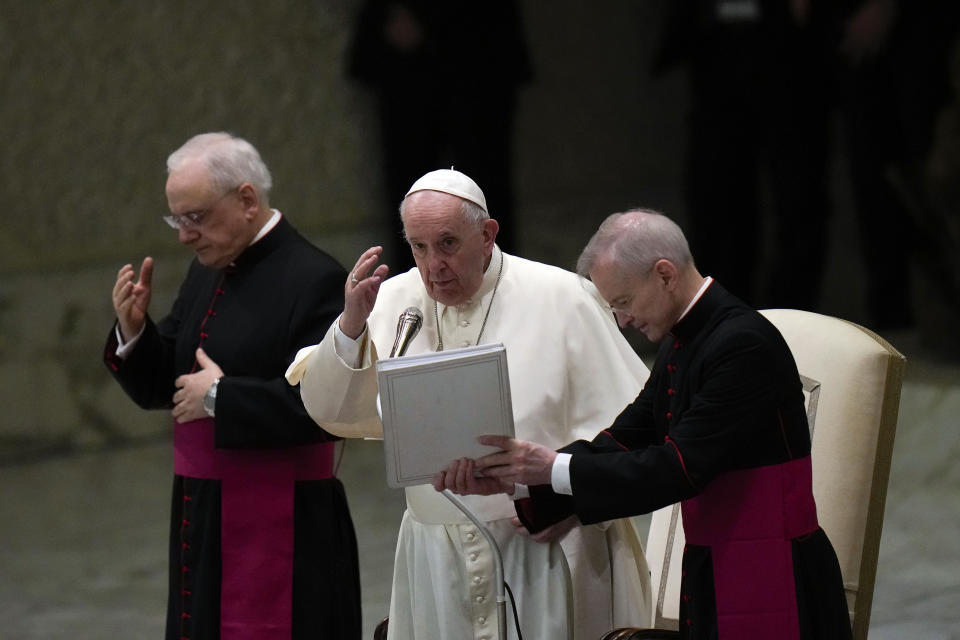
{"x":98,"y":93}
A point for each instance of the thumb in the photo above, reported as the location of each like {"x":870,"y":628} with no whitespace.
{"x":500,"y":442}
{"x":203,"y":359}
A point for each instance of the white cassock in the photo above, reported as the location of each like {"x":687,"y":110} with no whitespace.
{"x":571,"y":373}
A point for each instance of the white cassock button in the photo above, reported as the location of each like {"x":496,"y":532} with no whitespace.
{"x":473,"y":557}
{"x":476,"y":580}
{"x":464,"y":323}
{"x":481,"y":620}
{"x":479,"y":598}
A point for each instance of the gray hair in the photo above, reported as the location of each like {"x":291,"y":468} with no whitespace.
{"x":230,"y":162}
{"x":635,"y":240}
{"x":471,"y":211}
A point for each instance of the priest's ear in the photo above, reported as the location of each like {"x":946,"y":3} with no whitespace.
{"x":666,"y":274}
{"x":250,"y":200}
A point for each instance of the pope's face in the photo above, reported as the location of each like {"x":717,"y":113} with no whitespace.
{"x":641,"y":301}
{"x":450,"y":250}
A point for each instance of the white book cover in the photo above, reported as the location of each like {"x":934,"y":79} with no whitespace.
{"x":434,"y":405}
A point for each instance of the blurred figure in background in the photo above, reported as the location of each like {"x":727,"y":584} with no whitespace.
{"x":766,"y":78}
{"x":892,"y":82}
{"x":759,"y":73}
{"x":446,"y":76}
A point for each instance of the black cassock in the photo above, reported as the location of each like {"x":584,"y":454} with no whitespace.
{"x":720,"y":427}
{"x":280,"y":295}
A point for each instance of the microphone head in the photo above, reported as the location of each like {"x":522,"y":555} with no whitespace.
{"x":408,"y":326}
{"x":414,"y":315}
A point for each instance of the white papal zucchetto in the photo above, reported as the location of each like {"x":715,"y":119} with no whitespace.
{"x":453,"y":182}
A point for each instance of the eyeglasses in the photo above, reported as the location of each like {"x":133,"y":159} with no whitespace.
{"x":622,"y":305}
{"x":193,"y":219}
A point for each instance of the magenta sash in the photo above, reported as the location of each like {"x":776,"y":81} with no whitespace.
{"x":257,"y":489}
{"x":748,"y":519}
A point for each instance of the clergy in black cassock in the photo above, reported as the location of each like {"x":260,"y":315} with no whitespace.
{"x":720,"y":427}
{"x":262,"y":545}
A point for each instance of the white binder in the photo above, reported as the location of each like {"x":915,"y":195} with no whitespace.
{"x":435,"y":405}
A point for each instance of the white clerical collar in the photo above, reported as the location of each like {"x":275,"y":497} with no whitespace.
{"x":270,"y":224}
{"x":697,"y":296}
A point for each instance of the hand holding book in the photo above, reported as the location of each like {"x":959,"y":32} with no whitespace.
{"x":434,"y":406}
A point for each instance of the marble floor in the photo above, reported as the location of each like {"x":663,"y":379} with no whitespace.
{"x":83,"y":542}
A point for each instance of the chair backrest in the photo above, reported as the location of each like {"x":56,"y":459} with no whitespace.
{"x":852,"y":380}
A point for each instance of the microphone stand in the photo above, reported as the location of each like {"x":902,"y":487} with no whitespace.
{"x":408,"y":325}
{"x":497,"y":563}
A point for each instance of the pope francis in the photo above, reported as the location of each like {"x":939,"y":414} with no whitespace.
{"x":571,"y":372}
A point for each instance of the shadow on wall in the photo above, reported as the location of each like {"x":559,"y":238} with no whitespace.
{"x":57,"y":395}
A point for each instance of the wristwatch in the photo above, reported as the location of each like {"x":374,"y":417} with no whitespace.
{"x":210,"y":398}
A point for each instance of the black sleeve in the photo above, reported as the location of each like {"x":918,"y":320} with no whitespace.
{"x":263,"y":413}
{"x":634,"y":427}
{"x":724,"y":427}
{"x":148,"y":372}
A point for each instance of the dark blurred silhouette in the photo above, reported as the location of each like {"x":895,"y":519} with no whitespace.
{"x":446,"y":76}
{"x":892,"y":82}
{"x":759,"y":74}
{"x":766,"y":78}
{"x":934,"y":191}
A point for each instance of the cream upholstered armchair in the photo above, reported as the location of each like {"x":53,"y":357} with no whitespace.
{"x":851,"y":379}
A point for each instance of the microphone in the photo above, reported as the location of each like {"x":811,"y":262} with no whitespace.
{"x":408,"y":326}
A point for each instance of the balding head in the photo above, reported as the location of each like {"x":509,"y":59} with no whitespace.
{"x":634,"y":241}
{"x":229,"y":161}
{"x":641,"y":265}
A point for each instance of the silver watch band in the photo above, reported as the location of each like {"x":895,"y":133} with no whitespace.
{"x":210,"y":398}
